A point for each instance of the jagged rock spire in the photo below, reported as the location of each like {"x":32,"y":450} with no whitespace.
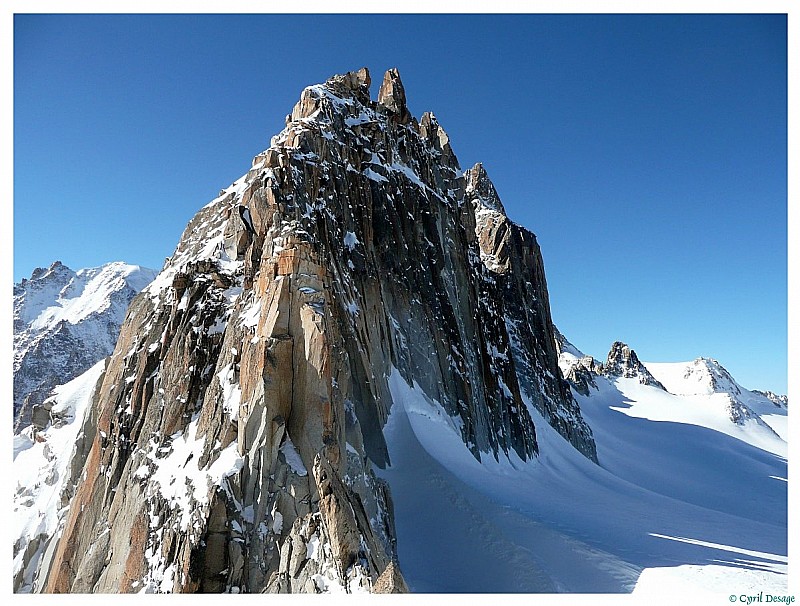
{"x":357,"y":81}
{"x":392,"y":95}
{"x":478,"y":182}
{"x":622,"y":361}
{"x":432,"y":131}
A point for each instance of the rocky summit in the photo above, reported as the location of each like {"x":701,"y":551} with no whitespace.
{"x":232,"y":438}
{"x":622,"y":361}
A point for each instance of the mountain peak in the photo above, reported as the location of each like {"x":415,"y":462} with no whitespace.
{"x":432,"y":131}
{"x":349,"y":266}
{"x":392,"y":96}
{"x":713,"y":376}
{"x":64,"y":322}
{"x":622,"y":361}
{"x":482,"y":189}
{"x":349,"y":319}
{"x":55,"y":268}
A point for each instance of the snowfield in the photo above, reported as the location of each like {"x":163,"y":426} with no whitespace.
{"x":683,"y":500}
{"x":41,"y":469}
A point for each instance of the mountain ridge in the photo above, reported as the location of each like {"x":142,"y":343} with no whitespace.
{"x":703,"y":381}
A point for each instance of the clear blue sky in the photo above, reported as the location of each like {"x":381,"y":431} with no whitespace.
{"x":648,"y":153}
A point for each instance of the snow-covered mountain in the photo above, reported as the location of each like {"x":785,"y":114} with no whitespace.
{"x":705,"y":382}
{"x":64,"y":322}
{"x":346,"y":379}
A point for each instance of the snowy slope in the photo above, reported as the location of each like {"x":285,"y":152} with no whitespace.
{"x":64,"y":322}
{"x":669,"y":500}
{"x":41,"y":470}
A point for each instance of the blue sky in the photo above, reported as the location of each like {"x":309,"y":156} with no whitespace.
{"x":648,"y":153}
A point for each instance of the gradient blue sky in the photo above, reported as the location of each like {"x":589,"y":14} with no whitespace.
{"x":648,"y":153}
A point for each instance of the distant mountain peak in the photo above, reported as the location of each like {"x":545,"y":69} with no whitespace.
{"x":622,"y":361}
{"x":64,"y":322}
{"x":704,"y":375}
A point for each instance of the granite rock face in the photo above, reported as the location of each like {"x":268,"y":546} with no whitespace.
{"x":239,"y":420}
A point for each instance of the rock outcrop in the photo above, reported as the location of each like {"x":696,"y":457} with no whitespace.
{"x":240,"y":417}
{"x":578,"y":369}
{"x":780,"y":401}
{"x":622,"y":361}
{"x":581,"y":372}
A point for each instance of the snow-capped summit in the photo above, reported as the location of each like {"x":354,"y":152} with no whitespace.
{"x":700,"y":376}
{"x":705,"y":379}
{"x":64,"y":322}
